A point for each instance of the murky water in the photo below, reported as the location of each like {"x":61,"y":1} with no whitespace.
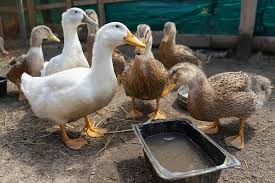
{"x":177,"y":153}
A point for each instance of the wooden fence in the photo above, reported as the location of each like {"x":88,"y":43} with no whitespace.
{"x":244,"y":42}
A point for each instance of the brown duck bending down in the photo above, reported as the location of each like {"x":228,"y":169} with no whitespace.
{"x":229,"y":94}
{"x":119,"y":62}
{"x":171,"y":54}
{"x":145,"y":77}
{"x":32,"y":62}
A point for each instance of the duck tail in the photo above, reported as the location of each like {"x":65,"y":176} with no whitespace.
{"x":25,"y":80}
{"x":262,"y":87}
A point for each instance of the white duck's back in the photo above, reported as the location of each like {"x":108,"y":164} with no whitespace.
{"x":67,"y":95}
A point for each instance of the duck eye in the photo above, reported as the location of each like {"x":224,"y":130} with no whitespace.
{"x":75,"y":11}
{"x":117,"y":26}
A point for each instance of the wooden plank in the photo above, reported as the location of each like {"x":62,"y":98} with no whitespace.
{"x":1,"y":28}
{"x":84,"y":2}
{"x":31,"y":13}
{"x":68,"y":4}
{"x":93,"y":2}
{"x":116,"y":1}
{"x":246,"y":28}
{"x":8,"y":9}
{"x":52,"y":6}
{"x":101,"y":12}
{"x":200,"y":41}
{"x":22,"y":24}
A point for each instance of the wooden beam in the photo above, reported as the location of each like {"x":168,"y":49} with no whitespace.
{"x":68,"y":4}
{"x":246,"y":28}
{"x":8,"y":9}
{"x":93,"y":2}
{"x":84,"y":2}
{"x":1,"y":28}
{"x":116,"y":1}
{"x":31,"y":13}
{"x":22,"y":24}
{"x":101,"y":12}
{"x":52,"y":6}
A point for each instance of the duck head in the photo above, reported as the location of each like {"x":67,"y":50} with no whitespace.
{"x":115,"y":34}
{"x":169,"y":30}
{"x":42,"y":32}
{"x":92,"y":28}
{"x":144,"y":34}
{"x":76,"y":17}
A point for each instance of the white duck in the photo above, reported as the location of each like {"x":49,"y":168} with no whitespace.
{"x":71,"y":94}
{"x":72,"y":55}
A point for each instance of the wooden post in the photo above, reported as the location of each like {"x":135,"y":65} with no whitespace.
{"x":68,"y":4}
{"x":1,"y":28}
{"x":101,"y":12}
{"x":246,"y":28}
{"x":31,"y":13}
{"x":21,"y":17}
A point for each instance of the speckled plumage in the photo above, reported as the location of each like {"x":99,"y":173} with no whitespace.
{"x":145,"y":77}
{"x":228,"y":94}
{"x":171,"y":54}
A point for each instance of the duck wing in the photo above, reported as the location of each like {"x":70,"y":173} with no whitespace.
{"x":18,"y":60}
{"x":145,"y":80}
{"x":185,"y":54}
{"x":119,"y":62}
{"x":230,"y":82}
{"x":17,"y":67}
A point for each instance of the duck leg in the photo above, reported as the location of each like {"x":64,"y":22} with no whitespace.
{"x":212,"y":128}
{"x":157,"y":114}
{"x":134,"y":113}
{"x":74,"y":144}
{"x":93,"y":131}
{"x":237,"y":140}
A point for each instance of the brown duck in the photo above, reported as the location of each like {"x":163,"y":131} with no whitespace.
{"x":229,"y":94}
{"x":171,"y":54}
{"x":32,"y":62}
{"x":145,"y":77}
{"x":119,"y":62}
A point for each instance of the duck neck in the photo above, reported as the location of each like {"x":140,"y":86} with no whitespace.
{"x":199,"y":88}
{"x":92,"y":29}
{"x":35,"y":40}
{"x":148,"y":49}
{"x":102,"y":65}
{"x":70,"y":38}
{"x":171,"y":42}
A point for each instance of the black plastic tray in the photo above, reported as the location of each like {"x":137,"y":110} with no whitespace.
{"x":3,"y":86}
{"x":221,"y":158}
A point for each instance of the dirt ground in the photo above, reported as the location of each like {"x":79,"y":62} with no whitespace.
{"x":31,"y":149}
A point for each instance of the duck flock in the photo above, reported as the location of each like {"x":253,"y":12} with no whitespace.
{"x":70,"y":86}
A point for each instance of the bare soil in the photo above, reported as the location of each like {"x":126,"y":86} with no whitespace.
{"x":31,"y":149}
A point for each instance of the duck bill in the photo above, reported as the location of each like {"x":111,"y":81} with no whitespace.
{"x":132,"y":40}
{"x":87,"y":20}
{"x":52,"y":37}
